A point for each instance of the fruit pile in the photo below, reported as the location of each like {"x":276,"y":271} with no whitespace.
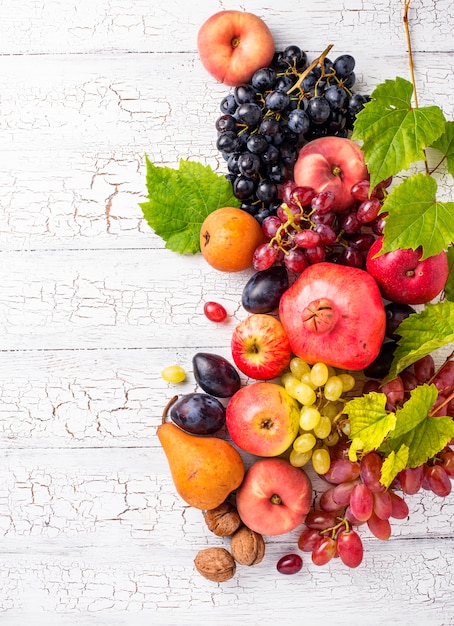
{"x":340,"y":375}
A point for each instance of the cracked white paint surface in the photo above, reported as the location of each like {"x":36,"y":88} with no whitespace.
{"x":92,"y":307}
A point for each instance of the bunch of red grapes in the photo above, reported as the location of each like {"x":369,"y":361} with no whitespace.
{"x":308,"y":229}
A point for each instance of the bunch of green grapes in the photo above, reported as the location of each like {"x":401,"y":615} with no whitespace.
{"x":318,"y":388}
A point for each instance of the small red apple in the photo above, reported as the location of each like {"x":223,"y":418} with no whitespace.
{"x":403,"y":277}
{"x":232,"y":45}
{"x":274,"y":497}
{"x":331,"y":164}
{"x":334,"y":314}
{"x":262,"y":419}
{"x":260,"y":347}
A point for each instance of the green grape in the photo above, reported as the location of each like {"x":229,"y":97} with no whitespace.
{"x":323,"y":428}
{"x":331,"y":371}
{"x":298,"y":459}
{"x":305,"y":394}
{"x":290,"y":384}
{"x":319,"y":374}
{"x":309,"y":417}
{"x":345,"y":427}
{"x":348,"y":382}
{"x":173,"y":374}
{"x":330,"y":410}
{"x":321,"y":460}
{"x":332,"y":439}
{"x":306,"y":379}
{"x":333,"y":388}
{"x":304,"y":442}
{"x":298,"y":367}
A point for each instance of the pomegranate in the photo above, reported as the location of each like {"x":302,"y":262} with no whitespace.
{"x":334,"y":314}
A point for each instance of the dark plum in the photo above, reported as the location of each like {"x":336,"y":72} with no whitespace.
{"x":215,"y":374}
{"x":380,"y":366}
{"x":395,"y":314}
{"x":264,"y":289}
{"x":198,"y":414}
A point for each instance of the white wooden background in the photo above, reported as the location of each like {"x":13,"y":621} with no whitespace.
{"x":92,"y":307}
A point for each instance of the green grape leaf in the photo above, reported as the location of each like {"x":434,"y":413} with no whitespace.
{"x":414,"y":410}
{"x":449,"y":286}
{"x":445,"y":144}
{"x":424,"y":441}
{"x":180,"y":199}
{"x":422,"y":333}
{"x":415,"y":218}
{"x":369,"y":422}
{"x":394,"y":133}
{"x":393,"y":464}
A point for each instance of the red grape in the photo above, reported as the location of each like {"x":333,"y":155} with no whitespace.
{"x":327,"y":502}
{"x":370,"y":471}
{"x":380,"y":528}
{"x":444,"y":379}
{"x":324,"y":551}
{"x":361,"y":502}
{"x":316,"y":254}
{"x":306,"y":239}
{"x":438,"y":480}
{"x":214,"y":311}
{"x":270,"y":225}
{"x":350,"y":548}
{"x":341,"y":471}
{"x":411,"y":479}
{"x":424,"y":368}
{"x":342,"y":492}
{"x":296,"y":261}
{"x":399,"y":506}
{"x":383,"y":505}
{"x":289,"y":564}
{"x":360,"y":191}
{"x":308,"y":539}
{"x":447,"y":461}
{"x":264,"y":257}
{"x":317,"y":519}
{"x":323,"y":202}
{"x":368,"y":210}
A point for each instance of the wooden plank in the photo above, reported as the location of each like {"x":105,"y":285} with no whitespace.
{"x":100,"y":532}
{"x":98,"y":25}
{"x":82,"y":130}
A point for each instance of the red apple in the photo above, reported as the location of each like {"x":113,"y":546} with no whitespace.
{"x":274,"y":497}
{"x":403,"y":277}
{"x":262,"y":419}
{"x":331,"y":164}
{"x":232,"y":45}
{"x":260,"y":347}
{"x":334,"y":314}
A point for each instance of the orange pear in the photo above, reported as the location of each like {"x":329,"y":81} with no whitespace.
{"x":205,"y":470}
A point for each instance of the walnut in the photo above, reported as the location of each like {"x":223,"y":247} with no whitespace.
{"x":247,"y":547}
{"x":223,"y":520}
{"x":216,"y":564}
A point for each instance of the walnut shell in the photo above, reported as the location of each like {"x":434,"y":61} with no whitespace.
{"x":247,"y":546}
{"x":216,"y":564}
{"x":223,"y":520}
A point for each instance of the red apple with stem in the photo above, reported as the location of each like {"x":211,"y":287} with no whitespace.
{"x":331,"y":164}
{"x":274,"y":497}
{"x":405,"y":278}
{"x":232,"y":45}
{"x":260,"y":347}
{"x":262,"y":418}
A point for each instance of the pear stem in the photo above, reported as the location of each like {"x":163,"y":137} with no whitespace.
{"x":167,"y":407}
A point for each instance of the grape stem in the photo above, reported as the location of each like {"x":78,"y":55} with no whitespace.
{"x":310,"y":67}
{"x":411,"y":63}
